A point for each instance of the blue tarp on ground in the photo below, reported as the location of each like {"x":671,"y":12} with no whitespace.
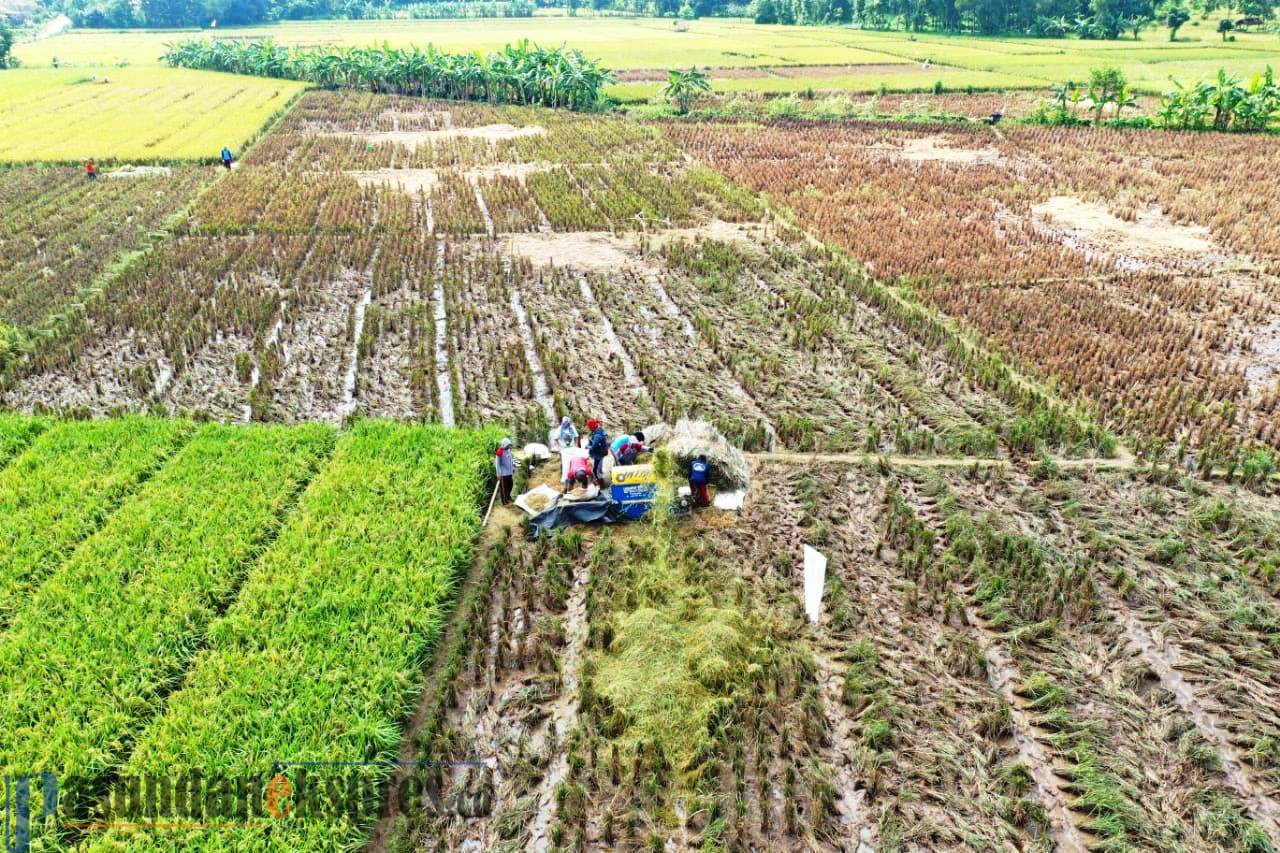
{"x":565,"y":513}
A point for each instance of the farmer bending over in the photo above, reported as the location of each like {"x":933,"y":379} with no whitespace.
{"x":583,"y":489}
{"x":579,"y":465}
{"x":505,"y":465}
{"x":626,"y":448}
{"x":699,"y":475}
{"x":90,"y":170}
{"x":227,"y":159}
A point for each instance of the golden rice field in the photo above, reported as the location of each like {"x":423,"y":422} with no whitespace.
{"x":132,"y":114}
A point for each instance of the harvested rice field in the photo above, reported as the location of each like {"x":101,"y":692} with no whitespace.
{"x":1017,"y":385}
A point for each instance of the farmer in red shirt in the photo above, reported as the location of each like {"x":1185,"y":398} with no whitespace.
{"x":577,"y":464}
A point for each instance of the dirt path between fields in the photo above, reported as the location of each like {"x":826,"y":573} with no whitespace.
{"x":1122,"y":461}
{"x":564,"y":711}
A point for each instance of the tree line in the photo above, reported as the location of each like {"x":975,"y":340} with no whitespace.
{"x":6,"y":44}
{"x":1091,"y":19}
{"x":518,"y":74}
{"x":119,"y":14}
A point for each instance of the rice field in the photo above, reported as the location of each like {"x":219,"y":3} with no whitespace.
{"x":136,"y":115}
{"x":204,"y":540}
{"x":984,"y":674}
{"x":345,"y":268}
{"x":1017,"y":384}
{"x":831,"y":55}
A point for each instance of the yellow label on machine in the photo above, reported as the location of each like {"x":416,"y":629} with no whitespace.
{"x":633,"y":475}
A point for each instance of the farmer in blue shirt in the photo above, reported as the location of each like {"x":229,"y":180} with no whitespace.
{"x":597,"y":449}
{"x":226,"y":157}
{"x":626,"y":448}
{"x":699,"y":476}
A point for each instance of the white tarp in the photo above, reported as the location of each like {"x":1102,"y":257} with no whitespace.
{"x":731,"y":501}
{"x":815,"y":578}
{"x":537,"y":452}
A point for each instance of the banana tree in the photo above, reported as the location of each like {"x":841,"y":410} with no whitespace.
{"x":685,"y":87}
{"x":518,"y":73}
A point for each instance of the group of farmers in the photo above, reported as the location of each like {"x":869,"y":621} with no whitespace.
{"x":91,"y":168}
{"x":584,"y":475}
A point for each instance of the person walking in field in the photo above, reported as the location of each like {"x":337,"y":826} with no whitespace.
{"x":90,"y":170}
{"x":626,"y":448}
{"x":699,"y":477}
{"x":597,"y":448}
{"x":505,"y":465}
{"x":227,"y":159}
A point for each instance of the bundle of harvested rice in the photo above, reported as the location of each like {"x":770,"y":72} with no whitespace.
{"x":689,"y":439}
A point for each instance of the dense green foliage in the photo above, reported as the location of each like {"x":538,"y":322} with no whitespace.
{"x":320,"y":654}
{"x":518,"y":74}
{"x":16,"y":432}
{"x":1223,"y":104}
{"x":119,"y":621}
{"x":111,"y":14}
{"x":1090,"y":19}
{"x":685,"y":86}
{"x":62,"y":488}
{"x":6,"y":44}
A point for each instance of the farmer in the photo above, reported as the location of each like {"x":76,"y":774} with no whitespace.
{"x":699,"y":475}
{"x":626,"y":448}
{"x":90,"y":170}
{"x":577,"y":465}
{"x":583,"y":489}
{"x":227,"y":159}
{"x":568,"y":434}
{"x":597,"y":448}
{"x":505,"y":465}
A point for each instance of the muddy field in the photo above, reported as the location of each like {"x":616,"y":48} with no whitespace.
{"x":1031,"y":638}
{"x":1138,"y":269}
{"x":379,"y":256}
{"x":998,"y":665}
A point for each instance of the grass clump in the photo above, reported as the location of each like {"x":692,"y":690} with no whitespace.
{"x":683,"y":652}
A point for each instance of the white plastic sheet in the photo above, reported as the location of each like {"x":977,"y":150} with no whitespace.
{"x":815,"y":578}
{"x":731,"y":501}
